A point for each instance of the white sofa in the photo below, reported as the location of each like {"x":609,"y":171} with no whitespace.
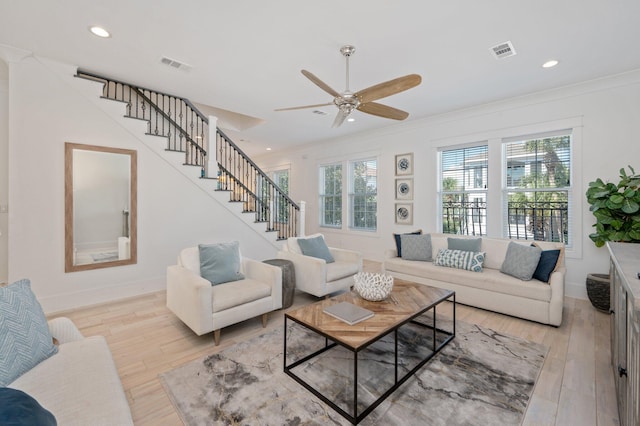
{"x":79,"y":385}
{"x":206,"y":308}
{"x":317,"y":277}
{"x":489,"y":289}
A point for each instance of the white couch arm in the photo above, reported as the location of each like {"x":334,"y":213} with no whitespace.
{"x":189,"y":296}
{"x":311,"y":272}
{"x":266,"y":273}
{"x":390,"y":253}
{"x":64,"y":330}
{"x":556,"y":281}
{"x":349,"y":256}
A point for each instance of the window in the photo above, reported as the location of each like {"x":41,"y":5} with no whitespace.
{"x":363,"y":190}
{"x":463,"y":189}
{"x":331,"y":195}
{"x":280,"y":201}
{"x":538,"y":187}
{"x":281,"y":178}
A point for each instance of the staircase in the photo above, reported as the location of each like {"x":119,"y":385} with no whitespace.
{"x":186,"y":130}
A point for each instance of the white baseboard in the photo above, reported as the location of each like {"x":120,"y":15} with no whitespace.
{"x":575,"y":290}
{"x":65,"y":302}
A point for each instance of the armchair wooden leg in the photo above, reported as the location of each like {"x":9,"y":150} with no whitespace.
{"x":216,"y":337}
{"x":264,"y":320}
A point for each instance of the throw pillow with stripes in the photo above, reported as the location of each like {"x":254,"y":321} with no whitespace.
{"x":460,"y":259}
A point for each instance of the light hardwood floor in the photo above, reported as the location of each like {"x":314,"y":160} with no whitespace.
{"x":575,"y":386}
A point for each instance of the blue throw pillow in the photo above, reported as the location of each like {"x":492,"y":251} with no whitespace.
{"x":25,"y":340}
{"x":315,"y":247}
{"x":220,"y":263}
{"x":546,"y":265}
{"x":19,"y":409}
{"x":464,"y":244}
{"x":398,"y":238}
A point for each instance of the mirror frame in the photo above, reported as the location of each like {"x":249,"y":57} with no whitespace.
{"x":68,"y":207}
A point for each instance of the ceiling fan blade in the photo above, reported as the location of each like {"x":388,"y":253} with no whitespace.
{"x":303,"y":107}
{"x":381,"y":110}
{"x":388,"y":88}
{"x":339,"y":118}
{"x":321,"y":84}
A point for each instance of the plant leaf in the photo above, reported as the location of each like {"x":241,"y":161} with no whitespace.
{"x":630,"y":207}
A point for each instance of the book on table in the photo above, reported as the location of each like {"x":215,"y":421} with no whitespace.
{"x":348,"y":312}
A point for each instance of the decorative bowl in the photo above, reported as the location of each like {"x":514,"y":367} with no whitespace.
{"x":373,"y":287}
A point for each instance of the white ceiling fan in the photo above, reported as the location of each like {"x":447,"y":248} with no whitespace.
{"x":347,"y":101}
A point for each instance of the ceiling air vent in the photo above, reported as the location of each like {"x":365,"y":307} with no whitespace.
{"x":175,"y":64}
{"x":503,"y":50}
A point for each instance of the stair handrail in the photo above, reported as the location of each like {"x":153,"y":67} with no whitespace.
{"x":254,"y":165}
{"x":168,"y":118}
{"x":139,"y":91}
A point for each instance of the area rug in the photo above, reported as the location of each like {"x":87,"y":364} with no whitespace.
{"x":481,"y":377}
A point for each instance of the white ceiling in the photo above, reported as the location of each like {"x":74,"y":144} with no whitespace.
{"x":247,"y":54}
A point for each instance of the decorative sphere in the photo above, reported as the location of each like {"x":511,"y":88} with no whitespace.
{"x":373,"y":287}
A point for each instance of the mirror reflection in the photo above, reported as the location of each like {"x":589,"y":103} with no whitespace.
{"x":100,"y":207}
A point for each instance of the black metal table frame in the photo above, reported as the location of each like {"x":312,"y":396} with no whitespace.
{"x":357,"y":418}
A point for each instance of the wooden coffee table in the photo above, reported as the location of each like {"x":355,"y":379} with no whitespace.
{"x":407,"y":302}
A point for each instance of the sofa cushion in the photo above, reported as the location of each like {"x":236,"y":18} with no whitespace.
{"x":79,"y":385}
{"x":398,"y":240}
{"x":521,"y":261}
{"x":316,"y":247}
{"x":25,"y":340}
{"x":220,"y":263}
{"x":19,"y":409}
{"x":488,"y":279}
{"x":465,"y":244}
{"x":338,"y":270}
{"x":416,"y":247}
{"x":546,"y":265}
{"x":231,"y":294}
{"x":460,"y":259}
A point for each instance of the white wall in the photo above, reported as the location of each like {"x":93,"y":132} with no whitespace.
{"x":604,"y":114}
{"x":45,"y":111}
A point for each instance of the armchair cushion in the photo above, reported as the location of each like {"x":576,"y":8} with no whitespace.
{"x":220,"y":263}
{"x":316,"y":247}
{"x":229,"y":294}
{"x":25,"y":339}
{"x":338,"y":270}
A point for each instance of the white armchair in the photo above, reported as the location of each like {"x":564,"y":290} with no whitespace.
{"x":317,"y":277}
{"x":205,"y":308}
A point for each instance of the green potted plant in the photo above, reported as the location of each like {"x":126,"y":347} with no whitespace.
{"x":616,"y":208}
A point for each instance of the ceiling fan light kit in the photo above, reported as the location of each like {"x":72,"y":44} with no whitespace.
{"x":348,"y":101}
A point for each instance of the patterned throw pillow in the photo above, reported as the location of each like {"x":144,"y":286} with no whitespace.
{"x":416,"y":247}
{"x":25,"y":340}
{"x":460,"y":259}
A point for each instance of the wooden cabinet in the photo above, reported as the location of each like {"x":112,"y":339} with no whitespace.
{"x":625,"y":329}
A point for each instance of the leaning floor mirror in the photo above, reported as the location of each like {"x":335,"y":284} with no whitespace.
{"x":100,"y":207}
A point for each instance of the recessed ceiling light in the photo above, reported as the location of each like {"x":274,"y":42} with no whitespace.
{"x":550,"y":64}
{"x":351,"y":119}
{"x":100,"y":32}
{"x":268,"y":149}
